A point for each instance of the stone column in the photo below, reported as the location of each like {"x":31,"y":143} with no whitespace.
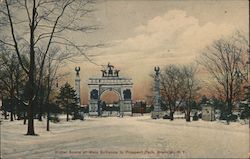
{"x":77,"y":85}
{"x":157,"y":112}
{"x":157,"y":105}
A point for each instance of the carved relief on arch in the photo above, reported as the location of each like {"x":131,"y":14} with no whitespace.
{"x":127,"y":94}
{"x":115,"y":89}
{"x":94,"y":94}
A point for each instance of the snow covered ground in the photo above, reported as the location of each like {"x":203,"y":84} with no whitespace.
{"x":128,"y":137}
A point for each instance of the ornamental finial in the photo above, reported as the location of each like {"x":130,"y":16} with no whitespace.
{"x":77,"y":69}
{"x":157,"y":70}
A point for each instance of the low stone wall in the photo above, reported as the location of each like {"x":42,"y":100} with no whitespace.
{"x":157,"y":115}
{"x":111,"y":114}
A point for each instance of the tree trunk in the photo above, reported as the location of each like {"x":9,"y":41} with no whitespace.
{"x":171,"y":115}
{"x":188,"y":111}
{"x":41,"y":103}
{"x":48,"y":116}
{"x":40,"y":111}
{"x":5,"y":115}
{"x":11,"y":111}
{"x":18,"y":110}
{"x":230,"y":107}
{"x":24,"y":116}
{"x":31,"y":92}
{"x":47,"y":102}
{"x":11,"y":104}
{"x":31,"y":81}
{"x":188,"y":117}
{"x":30,"y":119}
{"x":67,"y":109}
{"x":229,"y":111}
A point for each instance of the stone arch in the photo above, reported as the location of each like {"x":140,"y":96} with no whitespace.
{"x":110,"y":81}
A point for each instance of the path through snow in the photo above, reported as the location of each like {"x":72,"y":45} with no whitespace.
{"x":128,"y":137}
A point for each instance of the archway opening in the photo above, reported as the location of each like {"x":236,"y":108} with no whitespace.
{"x":110,"y":101}
{"x":111,"y":98}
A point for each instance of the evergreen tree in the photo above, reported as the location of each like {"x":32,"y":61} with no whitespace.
{"x":204,"y":99}
{"x":68,"y":100}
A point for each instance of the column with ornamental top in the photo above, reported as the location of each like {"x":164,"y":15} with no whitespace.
{"x":157,"y":112}
{"x":77,"y":84}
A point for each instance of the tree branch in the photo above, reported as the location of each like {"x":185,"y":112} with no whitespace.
{"x":14,"y":38}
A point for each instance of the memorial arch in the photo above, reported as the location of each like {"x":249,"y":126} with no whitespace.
{"x":110,"y":81}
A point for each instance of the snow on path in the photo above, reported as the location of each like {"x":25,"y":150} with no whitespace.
{"x":128,"y":137}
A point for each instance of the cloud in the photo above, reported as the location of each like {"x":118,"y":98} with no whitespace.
{"x":172,"y":38}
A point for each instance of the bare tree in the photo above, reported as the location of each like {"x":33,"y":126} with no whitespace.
{"x":190,"y":87}
{"x":11,"y":79}
{"x":224,"y":60}
{"x":179,"y":87}
{"x":54,"y":60}
{"x":7,"y":78}
{"x":171,"y":87}
{"x":46,"y":77}
{"x":31,"y":24}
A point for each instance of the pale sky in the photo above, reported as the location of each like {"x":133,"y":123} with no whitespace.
{"x":142,"y":34}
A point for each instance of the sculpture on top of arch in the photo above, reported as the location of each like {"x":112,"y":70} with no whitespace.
{"x":109,"y":71}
